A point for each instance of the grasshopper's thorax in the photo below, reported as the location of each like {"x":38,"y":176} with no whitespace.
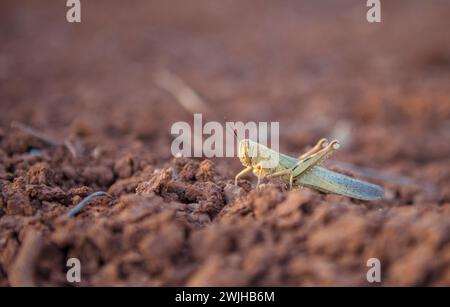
{"x":252,"y":153}
{"x":244,"y":152}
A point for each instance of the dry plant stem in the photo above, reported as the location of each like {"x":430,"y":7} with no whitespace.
{"x":45,"y":138}
{"x":75,"y":210}
{"x":71,"y":148}
{"x":35,"y":133}
{"x":184,"y":95}
{"x":22,"y":271}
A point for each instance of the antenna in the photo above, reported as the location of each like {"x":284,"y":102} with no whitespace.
{"x":228,"y":128}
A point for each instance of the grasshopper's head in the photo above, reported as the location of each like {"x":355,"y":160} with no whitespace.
{"x":244,"y":151}
{"x":252,"y":153}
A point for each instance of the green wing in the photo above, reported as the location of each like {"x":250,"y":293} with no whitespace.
{"x":328,"y":181}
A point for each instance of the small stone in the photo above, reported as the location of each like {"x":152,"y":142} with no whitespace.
{"x":232,"y":192}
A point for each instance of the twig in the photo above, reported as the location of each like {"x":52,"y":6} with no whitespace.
{"x":37,"y":134}
{"x":71,"y":148}
{"x":45,"y":138}
{"x":22,"y":270}
{"x":75,"y":210}
{"x":185,"y":95}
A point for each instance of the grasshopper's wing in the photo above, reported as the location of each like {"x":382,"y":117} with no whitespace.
{"x":328,"y":181}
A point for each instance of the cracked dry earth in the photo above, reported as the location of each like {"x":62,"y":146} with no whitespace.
{"x":320,"y":70}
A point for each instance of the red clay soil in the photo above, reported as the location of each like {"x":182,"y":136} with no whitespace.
{"x":317,"y":67}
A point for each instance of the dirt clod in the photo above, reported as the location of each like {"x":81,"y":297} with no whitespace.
{"x":100,"y":122}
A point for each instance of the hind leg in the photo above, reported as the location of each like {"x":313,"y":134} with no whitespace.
{"x":321,"y":144}
{"x":314,"y":159}
{"x":286,"y":172}
{"x":308,"y":162}
{"x":242,"y":173}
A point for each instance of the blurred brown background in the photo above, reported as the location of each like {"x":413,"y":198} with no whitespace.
{"x":317,"y":67}
{"x":310,"y":65}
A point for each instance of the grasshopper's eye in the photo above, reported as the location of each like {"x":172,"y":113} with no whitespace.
{"x":243,"y":152}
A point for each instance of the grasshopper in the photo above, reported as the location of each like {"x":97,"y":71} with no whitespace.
{"x":304,"y":171}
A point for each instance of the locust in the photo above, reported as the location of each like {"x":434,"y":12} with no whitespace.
{"x":304,"y":171}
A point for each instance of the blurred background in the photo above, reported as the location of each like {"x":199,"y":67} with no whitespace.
{"x":317,"y":67}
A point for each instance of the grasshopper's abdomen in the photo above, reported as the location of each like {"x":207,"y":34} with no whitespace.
{"x":328,"y":181}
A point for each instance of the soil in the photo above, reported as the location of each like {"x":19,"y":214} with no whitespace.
{"x":318,"y":68}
